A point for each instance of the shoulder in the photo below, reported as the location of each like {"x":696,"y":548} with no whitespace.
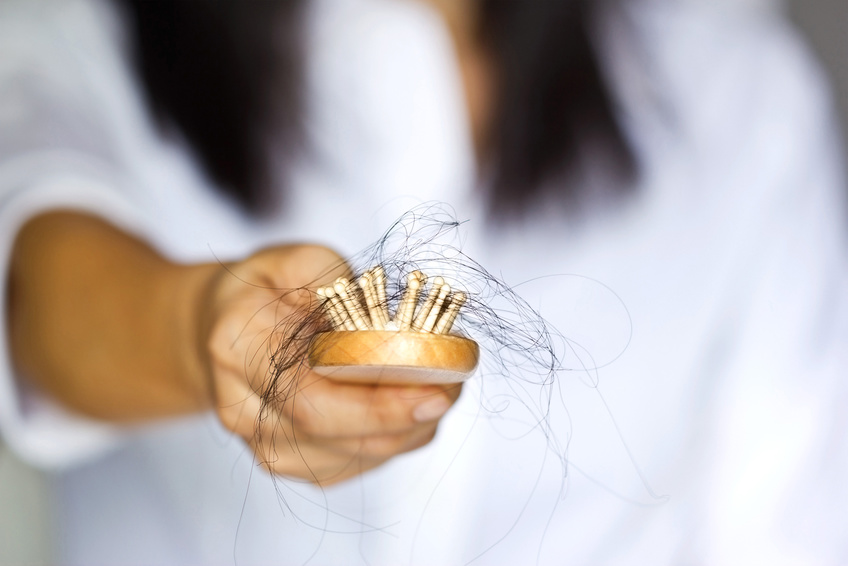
{"x":725,"y":81}
{"x":697,"y":57}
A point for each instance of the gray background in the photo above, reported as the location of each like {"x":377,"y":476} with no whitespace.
{"x":24,"y":522}
{"x":825,"y":23}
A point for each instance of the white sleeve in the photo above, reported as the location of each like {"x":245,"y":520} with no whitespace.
{"x":61,"y":118}
{"x":749,"y":111}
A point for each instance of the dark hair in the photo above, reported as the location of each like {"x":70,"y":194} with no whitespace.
{"x":211,"y":69}
{"x":550,"y":102}
{"x":226,"y":74}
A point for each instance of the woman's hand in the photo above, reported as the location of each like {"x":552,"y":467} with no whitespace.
{"x":113,"y":330}
{"x":303,"y":425}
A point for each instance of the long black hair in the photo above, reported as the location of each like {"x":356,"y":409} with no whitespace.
{"x":227,"y":74}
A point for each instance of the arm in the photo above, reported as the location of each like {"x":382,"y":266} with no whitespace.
{"x":110,"y":328}
{"x":103,"y":323}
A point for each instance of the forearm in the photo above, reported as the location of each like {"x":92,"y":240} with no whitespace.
{"x":103,"y":323}
{"x":113,"y":330}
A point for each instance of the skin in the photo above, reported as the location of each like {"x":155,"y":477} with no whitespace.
{"x":114,"y":331}
{"x":110,"y":328}
{"x":474,"y":65}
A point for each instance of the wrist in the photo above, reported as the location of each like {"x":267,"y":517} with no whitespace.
{"x":186,"y":292}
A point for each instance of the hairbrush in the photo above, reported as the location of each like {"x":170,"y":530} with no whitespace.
{"x":368,"y":345}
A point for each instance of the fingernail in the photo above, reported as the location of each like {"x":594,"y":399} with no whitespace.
{"x":431,"y":410}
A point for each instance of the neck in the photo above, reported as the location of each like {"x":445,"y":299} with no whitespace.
{"x":461,"y":20}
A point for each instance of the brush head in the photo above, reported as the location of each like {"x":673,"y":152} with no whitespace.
{"x":393,"y":357}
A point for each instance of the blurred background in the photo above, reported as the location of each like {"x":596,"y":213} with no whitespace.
{"x":24,"y":497}
{"x":825,"y":24}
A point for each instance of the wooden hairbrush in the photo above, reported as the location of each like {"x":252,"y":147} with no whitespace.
{"x":367,"y":345}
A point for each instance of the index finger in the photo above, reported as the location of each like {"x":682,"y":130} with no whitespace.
{"x":320,"y":407}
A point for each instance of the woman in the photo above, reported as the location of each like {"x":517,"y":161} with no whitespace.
{"x":707,"y":240}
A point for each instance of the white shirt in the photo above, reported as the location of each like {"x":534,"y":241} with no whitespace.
{"x":712,"y":434}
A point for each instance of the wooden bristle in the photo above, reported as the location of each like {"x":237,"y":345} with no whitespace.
{"x":424,"y":311}
{"x":449,"y":315}
{"x":339,"y":314}
{"x":363,"y":306}
{"x":406,"y":309}
{"x":342,"y":287}
{"x":435,"y":309}
{"x":378,"y":279}
{"x":368,"y":292}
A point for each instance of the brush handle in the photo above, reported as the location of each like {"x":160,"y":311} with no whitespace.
{"x":392,"y":357}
